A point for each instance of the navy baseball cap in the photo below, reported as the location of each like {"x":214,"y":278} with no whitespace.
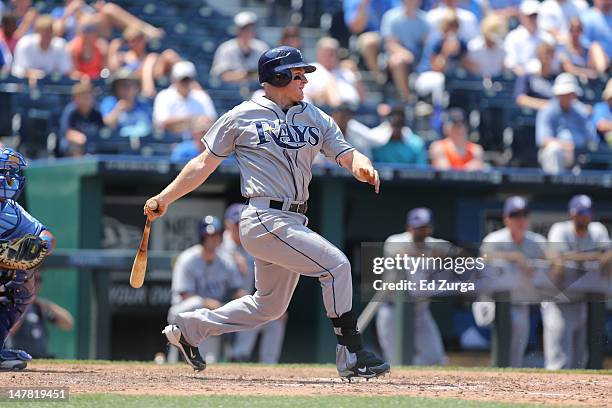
{"x":580,"y":205}
{"x":210,"y":225}
{"x":232,"y":213}
{"x":515,"y":204}
{"x":419,"y":217}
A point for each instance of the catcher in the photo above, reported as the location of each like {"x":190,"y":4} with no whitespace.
{"x":24,"y":242}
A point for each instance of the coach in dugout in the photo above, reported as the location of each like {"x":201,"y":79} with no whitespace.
{"x":205,"y":276}
{"x":565,"y":324}
{"x":428,"y":346}
{"x":512,"y":248}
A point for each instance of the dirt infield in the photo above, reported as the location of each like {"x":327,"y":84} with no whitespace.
{"x":228,"y":379}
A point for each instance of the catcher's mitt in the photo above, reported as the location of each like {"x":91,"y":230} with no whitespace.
{"x":27,"y":252}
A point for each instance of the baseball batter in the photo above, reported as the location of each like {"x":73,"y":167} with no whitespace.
{"x":275,"y":138}
{"x":16,"y":285}
{"x":429,"y":349}
{"x":510,"y":248}
{"x":565,"y":324}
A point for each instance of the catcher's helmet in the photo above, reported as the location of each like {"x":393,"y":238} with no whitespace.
{"x":275,"y":65}
{"x":11,"y":177}
{"x":209,"y":225}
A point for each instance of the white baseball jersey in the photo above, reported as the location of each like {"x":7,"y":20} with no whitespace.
{"x":275,"y":149}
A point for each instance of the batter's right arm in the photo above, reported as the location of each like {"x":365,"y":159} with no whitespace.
{"x":192,"y":176}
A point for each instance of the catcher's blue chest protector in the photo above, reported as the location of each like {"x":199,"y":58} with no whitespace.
{"x":9,"y":218}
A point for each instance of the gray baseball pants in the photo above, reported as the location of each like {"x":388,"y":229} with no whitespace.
{"x":283,"y":248}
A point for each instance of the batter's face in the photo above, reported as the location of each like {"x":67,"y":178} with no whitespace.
{"x":295,"y":90}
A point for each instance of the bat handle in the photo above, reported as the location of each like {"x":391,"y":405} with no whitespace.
{"x":152,"y":204}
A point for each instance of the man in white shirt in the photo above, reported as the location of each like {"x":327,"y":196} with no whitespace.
{"x":236,"y":60}
{"x":521,"y":43}
{"x":40,"y":53}
{"x":486,"y":50}
{"x":468,"y":23}
{"x":183,"y":107}
{"x":332,"y":84}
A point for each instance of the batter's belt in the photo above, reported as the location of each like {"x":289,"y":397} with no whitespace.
{"x":293,"y":206}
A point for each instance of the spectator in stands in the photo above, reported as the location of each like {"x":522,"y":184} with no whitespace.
{"x":8,"y":30}
{"x":521,"y":43}
{"x":110,"y":15}
{"x":334,"y":81}
{"x":449,"y":53}
{"x":602,"y":114}
{"x":25,"y":16}
{"x":356,"y":133}
{"x":563,"y":126}
{"x":467,"y":21}
{"x":291,"y":36}
{"x":555,"y":16}
{"x":455,"y":151}
{"x":486,"y":51}
{"x":184,"y":108}
{"x":405,"y":30}
{"x":123,"y":110}
{"x":363,"y":18}
{"x":403,"y":146}
{"x":41,"y":53}
{"x":80,"y":120}
{"x":504,"y":8}
{"x":579,"y":56}
{"x":147,"y":66}
{"x":533,"y":90}
{"x":187,"y":149}
{"x":598,"y":24}
{"x":236,"y":60}
{"x":89,"y":52}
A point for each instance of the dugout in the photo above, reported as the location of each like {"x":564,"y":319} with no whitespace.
{"x":96,"y":203}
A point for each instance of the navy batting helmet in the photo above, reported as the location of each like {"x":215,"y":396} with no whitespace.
{"x":275,"y":65}
{"x":209,"y":225}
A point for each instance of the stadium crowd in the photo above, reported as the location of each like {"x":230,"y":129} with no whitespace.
{"x":465,"y":84}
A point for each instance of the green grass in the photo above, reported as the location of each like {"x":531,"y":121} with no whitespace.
{"x":329,"y":366}
{"x":130,"y":401}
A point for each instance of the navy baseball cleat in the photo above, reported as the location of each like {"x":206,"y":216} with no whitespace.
{"x":190,"y":353}
{"x":13,"y":360}
{"x":366,"y":366}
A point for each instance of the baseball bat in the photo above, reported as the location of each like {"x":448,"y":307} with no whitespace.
{"x":139,"y":268}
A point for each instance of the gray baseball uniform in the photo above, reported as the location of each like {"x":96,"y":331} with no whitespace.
{"x":428,"y":346}
{"x":274,"y":151}
{"x":565,"y":324}
{"x":533,"y":248}
{"x":272,"y":332}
